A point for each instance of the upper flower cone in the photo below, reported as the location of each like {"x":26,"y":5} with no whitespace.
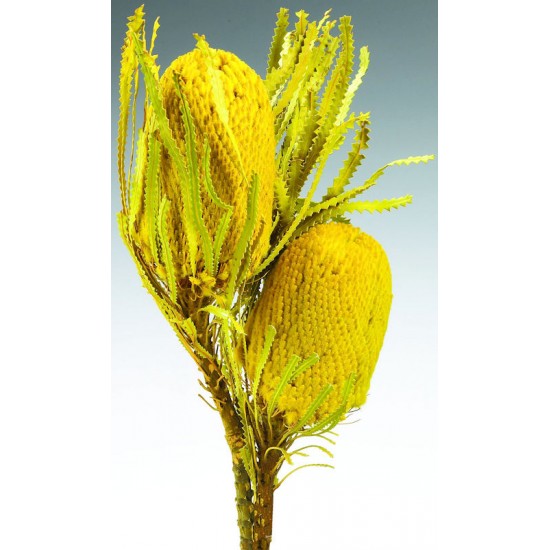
{"x":250,"y":119}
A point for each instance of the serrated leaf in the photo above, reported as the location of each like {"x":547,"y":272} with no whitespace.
{"x":277,"y":78}
{"x":294,"y":368}
{"x":218,"y":97}
{"x":156,"y":26}
{"x":352,"y":193}
{"x":364,"y":58}
{"x":191,"y":330}
{"x":374,"y":206}
{"x":352,"y":162}
{"x":136,"y":190}
{"x":278,"y":39}
{"x":151,"y":83}
{"x":262,"y":359}
{"x":166,"y":249}
{"x":224,"y":315}
{"x":223,"y":225}
{"x":209,"y":184}
{"x":331,"y":145}
{"x":194,"y":181}
{"x":281,"y":196}
{"x":285,"y":379}
{"x":245,"y":236}
{"x":312,"y":409}
{"x":332,"y":99}
{"x":338,"y":83}
{"x":412,"y":160}
{"x":128,"y":66}
{"x":299,"y":72}
{"x":152,"y":194}
{"x":219,"y":239}
{"x":328,"y":423}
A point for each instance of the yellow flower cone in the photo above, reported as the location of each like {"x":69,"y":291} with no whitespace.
{"x":250,"y":119}
{"x":330,"y":294}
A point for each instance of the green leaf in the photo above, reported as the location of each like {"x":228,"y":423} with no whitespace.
{"x":191,"y":330}
{"x":194,"y":181}
{"x":299,"y":72}
{"x":374,"y":206}
{"x":338,"y":83}
{"x":278,"y":39}
{"x":320,"y":447}
{"x":352,"y":193}
{"x":353,"y":161}
{"x":150,"y":76}
{"x":282,"y":198}
{"x":137,"y":182}
{"x":262,"y":360}
{"x":330,"y":146}
{"x":245,"y":236}
{"x":152,"y":194}
{"x":285,"y":379}
{"x":312,"y":409}
{"x":128,"y":67}
{"x":218,"y":97}
{"x":223,"y":225}
{"x":276,"y":79}
{"x":331,"y":103}
{"x":224,"y":315}
{"x":166,"y":249}
{"x":294,"y":368}
{"x":208,"y":179}
{"x":364,"y":58}
{"x":328,"y":423}
{"x":156,"y":26}
{"x":219,"y":239}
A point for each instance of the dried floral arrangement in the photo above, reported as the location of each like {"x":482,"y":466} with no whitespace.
{"x":280,"y":301}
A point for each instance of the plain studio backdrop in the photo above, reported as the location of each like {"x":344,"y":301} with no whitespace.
{"x":171,"y":471}
{"x":162,"y":481}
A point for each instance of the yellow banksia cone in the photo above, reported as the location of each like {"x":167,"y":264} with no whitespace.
{"x":330,"y":294}
{"x":250,"y":119}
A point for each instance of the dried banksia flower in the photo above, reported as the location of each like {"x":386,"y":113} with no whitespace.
{"x":248,"y":147}
{"x":329,"y":294}
{"x":281,"y":303}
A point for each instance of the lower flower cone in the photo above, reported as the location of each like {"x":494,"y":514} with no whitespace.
{"x":330,"y":294}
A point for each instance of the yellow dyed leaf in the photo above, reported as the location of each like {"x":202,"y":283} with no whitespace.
{"x":278,"y":39}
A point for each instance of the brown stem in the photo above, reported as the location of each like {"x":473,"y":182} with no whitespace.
{"x":235,"y":440}
{"x":263,"y":504}
{"x":243,"y":499}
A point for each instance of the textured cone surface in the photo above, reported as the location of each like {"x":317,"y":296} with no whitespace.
{"x":330,"y":294}
{"x":251,"y":121}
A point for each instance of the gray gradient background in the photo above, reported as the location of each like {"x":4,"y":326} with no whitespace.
{"x":172,"y":484}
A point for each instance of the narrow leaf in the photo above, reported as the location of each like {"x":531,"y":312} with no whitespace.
{"x":278,"y":39}
{"x":292,"y":370}
{"x":166,"y":250}
{"x":152,"y":194}
{"x":262,"y":360}
{"x":246,"y":234}
{"x":194,"y":181}
{"x":352,"y":162}
{"x":312,"y":409}
{"x":151,"y":83}
{"x":128,"y":66}
{"x":224,"y":315}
